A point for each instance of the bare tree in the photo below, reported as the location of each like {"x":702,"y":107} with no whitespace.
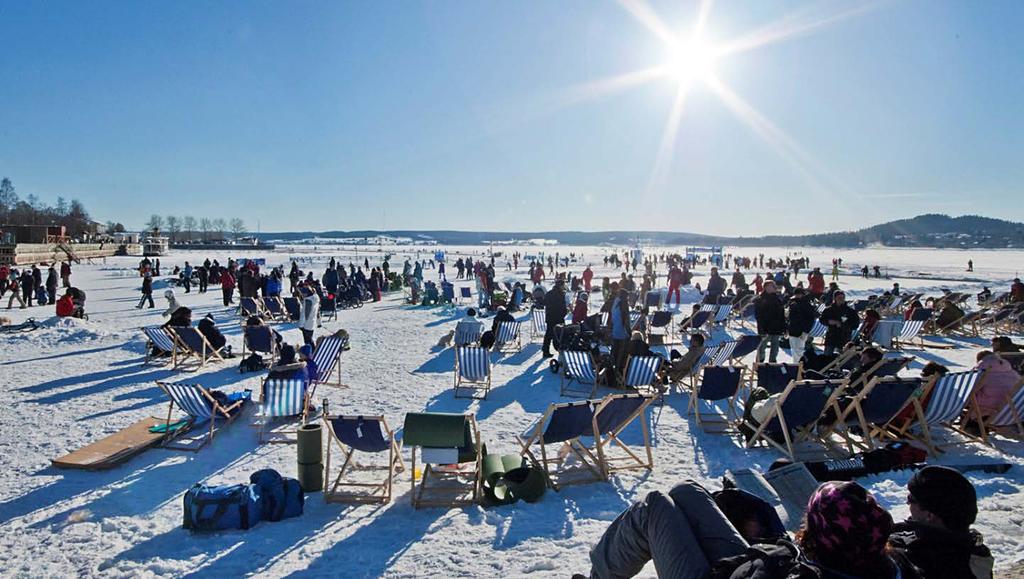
{"x":173,"y":227}
{"x":188,"y":223}
{"x":219,"y":227}
{"x":155,"y":222}
{"x":205,"y":225}
{"x":237,"y":227}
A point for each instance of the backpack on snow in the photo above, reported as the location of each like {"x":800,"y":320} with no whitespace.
{"x":282,"y":497}
{"x":252,"y":363}
{"x":215,"y":508}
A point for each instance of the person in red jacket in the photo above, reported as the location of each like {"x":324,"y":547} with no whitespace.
{"x":816,"y":283}
{"x":227,"y":285}
{"x":65,"y":306}
{"x":588,"y":274}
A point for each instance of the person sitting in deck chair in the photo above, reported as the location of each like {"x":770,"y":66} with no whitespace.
{"x":208,"y":328}
{"x":996,"y":383}
{"x":681,"y":365}
{"x":180,"y":318}
{"x":288,"y":367}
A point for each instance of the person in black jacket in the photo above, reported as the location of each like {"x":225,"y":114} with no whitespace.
{"x":840,"y":321}
{"x":716,"y":287}
{"x":802,"y":314}
{"x":770,"y":313}
{"x":147,"y":291}
{"x":555,"y":311}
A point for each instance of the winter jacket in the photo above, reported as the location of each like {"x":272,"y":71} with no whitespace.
{"x":213,"y":335}
{"x":770,"y":314}
{"x":802,"y":314}
{"x":838,"y":336}
{"x":716,"y":286}
{"x":554,"y":306}
{"x":172,"y":305}
{"x":310,"y":309}
{"x":65,"y":269}
{"x":147,"y":285}
{"x":939,"y":552}
{"x":65,"y":306}
{"x":227,"y":281}
{"x":783,"y":560}
{"x":816,"y":283}
{"x":996,"y":383}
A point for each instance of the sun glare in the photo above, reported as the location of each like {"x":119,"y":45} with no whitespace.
{"x":690,"y":60}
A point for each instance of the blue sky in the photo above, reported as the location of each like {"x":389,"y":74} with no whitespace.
{"x":470,"y":115}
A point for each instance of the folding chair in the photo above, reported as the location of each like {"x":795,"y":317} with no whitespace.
{"x":612,"y":415}
{"x":708,"y":357}
{"x":724,"y":353}
{"x":450,"y":449}
{"x":327,"y":358}
{"x":636,"y":320}
{"x":329,"y":309}
{"x":563,"y":423}
{"x":881,"y":400}
{"x":641,"y":374}
{"x":909,"y":331}
{"x":538,"y":324}
{"x":661,"y":320}
{"x":293,"y":307}
{"x":1010,"y":417}
{"x":467,"y":334}
{"x":795,"y":413}
{"x":163,"y":341}
{"x":472,"y":371}
{"x":718,"y":383}
{"x":274,"y":308}
{"x":745,"y":346}
{"x":282,"y":398}
{"x":251,"y":307}
{"x":508,"y":336}
{"x":465,"y":294}
{"x":775,"y":377}
{"x":949,"y":395}
{"x":579,"y":365}
{"x":366,"y":434}
{"x":818,"y":330}
{"x":722,"y":314}
{"x":259,"y":339}
{"x":698,"y":320}
{"x":746,"y":315}
{"x":199,"y":406}
{"x":194,"y":343}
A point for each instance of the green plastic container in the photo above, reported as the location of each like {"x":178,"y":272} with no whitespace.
{"x":310,"y":457}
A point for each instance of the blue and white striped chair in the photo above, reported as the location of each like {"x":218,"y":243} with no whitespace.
{"x":641,"y":374}
{"x":578,"y":366}
{"x":724,"y":353}
{"x":327,"y":358}
{"x":950,"y":394}
{"x":508,"y":336}
{"x":1011,"y":416}
{"x":472,"y":371}
{"x":909,"y":332}
{"x":818,"y":330}
{"x":538,"y":324}
{"x":282,"y":398}
{"x":467,"y":333}
{"x":160,"y":341}
{"x":199,"y":406}
{"x":722,"y":314}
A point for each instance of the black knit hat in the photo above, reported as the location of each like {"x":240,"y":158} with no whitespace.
{"x":947,"y":494}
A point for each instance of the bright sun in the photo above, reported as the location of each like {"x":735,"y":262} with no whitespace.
{"x":691,"y":59}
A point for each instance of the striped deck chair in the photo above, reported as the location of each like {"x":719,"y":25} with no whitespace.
{"x":467,"y":333}
{"x":368,"y":435}
{"x":794,"y":414}
{"x":579,"y":366}
{"x":472,"y":371}
{"x":251,"y":307}
{"x":949,"y":395}
{"x":192,"y":341}
{"x":745,"y":346}
{"x":775,"y":377}
{"x":199,"y":406}
{"x":538,"y":324}
{"x":818,"y":330}
{"x":450,"y":449}
{"x":696,"y":321}
{"x":293,"y":307}
{"x":327,"y":358}
{"x":283,"y":398}
{"x":1010,"y":418}
{"x":508,"y":337}
{"x":722,"y":314}
{"x":709,"y":308}
{"x":274,"y":308}
{"x":641,"y":374}
{"x":909,"y":331}
{"x":724,"y":353}
{"x":881,"y":400}
{"x":259,"y":339}
{"x":708,"y":357}
{"x":160,"y":341}
{"x":636,"y":320}
{"x":612,"y":415}
{"x":718,"y":383}
{"x":563,"y":424}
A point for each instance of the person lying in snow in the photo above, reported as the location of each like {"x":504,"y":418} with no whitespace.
{"x":845,"y":535}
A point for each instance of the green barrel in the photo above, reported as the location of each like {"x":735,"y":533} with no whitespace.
{"x":310,"y":450}
{"x":526,"y":483}
{"x":494,"y":468}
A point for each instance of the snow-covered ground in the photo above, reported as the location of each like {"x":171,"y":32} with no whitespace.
{"x":73,"y":382}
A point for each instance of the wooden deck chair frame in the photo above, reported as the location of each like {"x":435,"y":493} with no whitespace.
{"x":339,"y":490}
{"x":173,"y":358}
{"x":207,"y":353}
{"x":608,"y":462}
{"x":273,"y":353}
{"x":590,"y":466}
{"x":1009,"y":417}
{"x":645,"y":388}
{"x":470,"y":385}
{"x":905,"y":431}
{"x":802,"y":434}
{"x":901,"y":343}
{"x":216,"y":411}
{"x":566,"y":379}
{"x":456,"y":491}
{"x":333,"y":369}
{"x":842,"y":359}
{"x":720,"y":424}
{"x":871,"y":434}
{"x":282,"y":312}
{"x":283,"y":434}
{"x":689,"y":382}
{"x":260,"y":310}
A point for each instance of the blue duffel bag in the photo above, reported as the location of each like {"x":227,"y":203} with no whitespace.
{"x":215,"y":508}
{"x":282,"y":497}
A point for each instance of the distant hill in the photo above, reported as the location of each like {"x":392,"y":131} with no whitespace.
{"x":932,"y":230}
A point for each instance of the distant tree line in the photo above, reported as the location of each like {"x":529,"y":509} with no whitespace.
{"x":32,"y":211}
{"x":188,"y":228}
